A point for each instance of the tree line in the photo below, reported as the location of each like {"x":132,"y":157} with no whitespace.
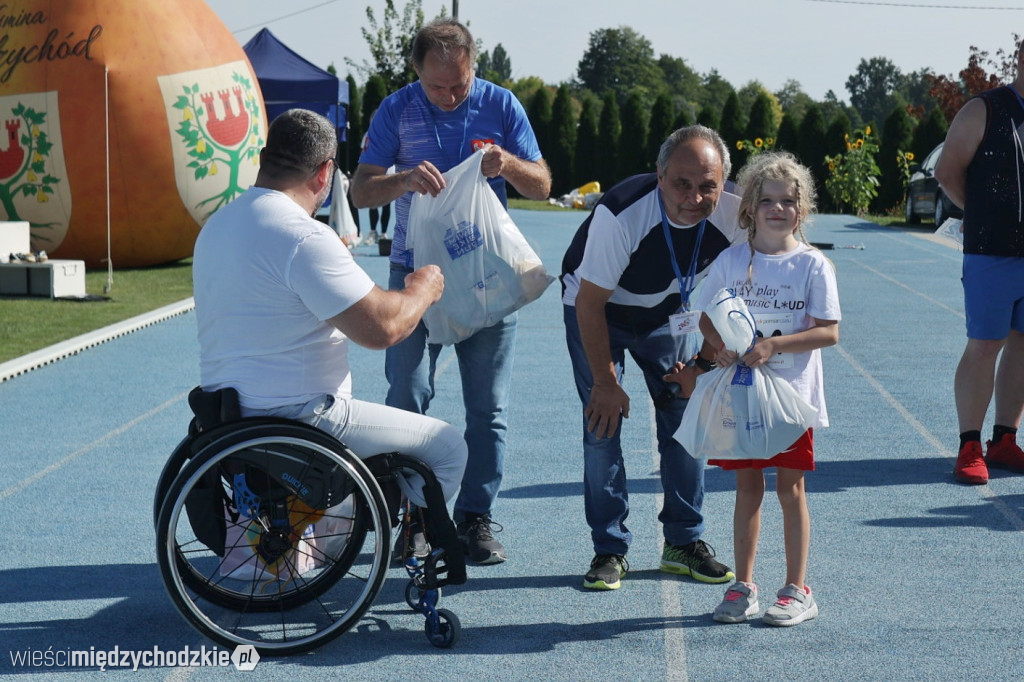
{"x":609,"y":121}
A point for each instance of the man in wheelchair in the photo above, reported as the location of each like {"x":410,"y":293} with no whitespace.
{"x":278,"y":298}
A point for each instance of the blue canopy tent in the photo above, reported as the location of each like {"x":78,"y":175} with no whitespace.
{"x":287,"y":80}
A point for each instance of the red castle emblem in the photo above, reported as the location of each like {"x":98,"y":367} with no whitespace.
{"x":231,"y":129}
{"x":12,"y":157}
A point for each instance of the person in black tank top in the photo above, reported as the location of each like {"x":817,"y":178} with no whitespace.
{"x":982,"y":171}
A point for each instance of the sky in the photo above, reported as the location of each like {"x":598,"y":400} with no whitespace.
{"x":818,"y":43}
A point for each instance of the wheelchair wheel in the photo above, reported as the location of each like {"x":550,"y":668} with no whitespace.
{"x":170,"y":471}
{"x":273,"y":534}
{"x":445,"y":632}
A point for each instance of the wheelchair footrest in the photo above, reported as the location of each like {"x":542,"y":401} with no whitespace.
{"x":435,"y":571}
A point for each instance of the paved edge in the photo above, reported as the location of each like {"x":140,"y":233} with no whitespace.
{"x":27,"y":363}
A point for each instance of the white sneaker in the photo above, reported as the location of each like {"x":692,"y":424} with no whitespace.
{"x":371,"y":238}
{"x":739,"y":604}
{"x":792,"y":607}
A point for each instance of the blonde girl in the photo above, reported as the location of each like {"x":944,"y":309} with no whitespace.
{"x":790,"y":287}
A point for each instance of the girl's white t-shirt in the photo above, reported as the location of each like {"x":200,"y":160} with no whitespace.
{"x":785,"y":292}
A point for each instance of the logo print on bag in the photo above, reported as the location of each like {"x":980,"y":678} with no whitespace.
{"x":744,"y":376}
{"x":462,"y":239}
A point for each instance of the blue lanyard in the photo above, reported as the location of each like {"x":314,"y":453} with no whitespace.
{"x":685,"y":285}
{"x":465,"y":128}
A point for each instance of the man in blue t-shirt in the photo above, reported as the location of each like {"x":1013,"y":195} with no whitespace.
{"x":423,"y":130}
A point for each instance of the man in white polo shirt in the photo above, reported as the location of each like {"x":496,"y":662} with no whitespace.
{"x":278,"y":297}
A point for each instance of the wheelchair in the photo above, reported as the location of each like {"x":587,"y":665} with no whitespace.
{"x":272,"y":533}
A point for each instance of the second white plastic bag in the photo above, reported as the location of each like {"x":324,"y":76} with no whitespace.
{"x":490,"y":271}
{"x":741,"y":413}
{"x":738,"y":412}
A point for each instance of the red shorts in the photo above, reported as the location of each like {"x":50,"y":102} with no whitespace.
{"x":800,"y":456}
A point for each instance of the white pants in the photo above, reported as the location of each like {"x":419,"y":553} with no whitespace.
{"x":370,"y":429}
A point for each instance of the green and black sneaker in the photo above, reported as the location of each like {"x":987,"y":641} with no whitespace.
{"x":696,"y":560}
{"x":605,"y":572}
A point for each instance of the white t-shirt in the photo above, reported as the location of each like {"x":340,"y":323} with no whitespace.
{"x":265,"y":276}
{"x":784,"y":293}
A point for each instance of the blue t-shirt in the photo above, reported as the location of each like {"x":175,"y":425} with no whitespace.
{"x":408,"y":129}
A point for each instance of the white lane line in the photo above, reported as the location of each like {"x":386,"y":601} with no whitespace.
{"x":17,"y":487}
{"x":900,"y":284}
{"x":1009,"y":514}
{"x":671,"y":600}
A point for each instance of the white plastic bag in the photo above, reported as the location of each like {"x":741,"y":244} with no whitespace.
{"x":489,"y":269}
{"x":952,"y":229}
{"x":732,"y":321}
{"x":737,"y":412}
{"x":741,"y":413}
{"x":340,"y":219}
{"x":324,"y":539}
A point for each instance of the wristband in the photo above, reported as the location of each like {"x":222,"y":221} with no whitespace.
{"x":702,"y":364}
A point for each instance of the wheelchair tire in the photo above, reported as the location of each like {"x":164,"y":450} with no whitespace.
{"x":445,"y":633}
{"x":270,"y":600}
{"x":170,"y":471}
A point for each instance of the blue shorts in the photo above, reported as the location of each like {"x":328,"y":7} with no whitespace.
{"x":993,"y":296}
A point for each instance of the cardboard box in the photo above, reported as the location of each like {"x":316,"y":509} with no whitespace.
{"x":15,"y":237}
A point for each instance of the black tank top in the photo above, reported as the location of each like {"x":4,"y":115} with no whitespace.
{"x":994,"y":201}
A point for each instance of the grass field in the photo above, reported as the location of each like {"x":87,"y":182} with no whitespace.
{"x":32,"y":323}
{"x":29,"y":324}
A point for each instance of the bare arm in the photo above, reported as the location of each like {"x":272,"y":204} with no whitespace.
{"x":383,"y":318}
{"x":607,"y":398}
{"x":532,"y":179}
{"x":824,"y":333}
{"x":962,"y":140}
{"x":372,"y":186}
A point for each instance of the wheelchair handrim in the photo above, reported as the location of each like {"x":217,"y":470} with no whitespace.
{"x":171,"y":515}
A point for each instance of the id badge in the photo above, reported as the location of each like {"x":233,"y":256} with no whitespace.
{"x":685,"y":322}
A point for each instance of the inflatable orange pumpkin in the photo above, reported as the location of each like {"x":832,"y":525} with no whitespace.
{"x":136,"y":119}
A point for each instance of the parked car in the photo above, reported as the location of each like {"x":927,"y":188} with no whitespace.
{"x":925,"y":199}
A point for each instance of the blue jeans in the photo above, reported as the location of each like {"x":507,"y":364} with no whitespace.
{"x":485,"y":365}
{"x":605,"y":497}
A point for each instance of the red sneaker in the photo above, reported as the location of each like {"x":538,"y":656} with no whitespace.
{"x":1006,"y":454}
{"x":970,"y":465}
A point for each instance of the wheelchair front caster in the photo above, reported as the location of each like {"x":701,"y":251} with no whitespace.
{"x":444,"y":629}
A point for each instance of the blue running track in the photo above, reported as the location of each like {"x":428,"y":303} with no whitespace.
{"x":915,"y":575}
